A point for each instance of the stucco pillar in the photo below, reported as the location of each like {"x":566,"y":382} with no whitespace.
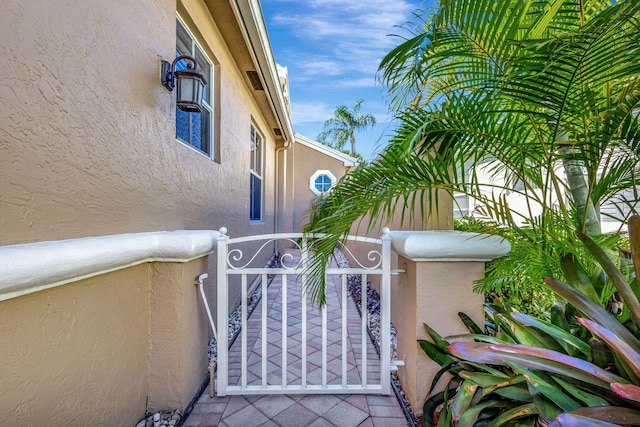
{"x":440,"y":268}
{"x":178,"y":334}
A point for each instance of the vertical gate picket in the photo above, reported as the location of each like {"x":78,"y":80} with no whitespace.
{"x":248,"y":383}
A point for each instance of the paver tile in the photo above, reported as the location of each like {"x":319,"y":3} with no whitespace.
{"x":296,"y":416}
{"x":385,"y":411}
{"x":321,"y":422}
{"x":246,"y":417}
{"x":236,"y":403}
{"x":203,"y":420}
{"x":389,"y":422}
{"x":272,"y":405}
{"x":320,"y":403}
{"x":359,"y":401}
{"x":375,"y":400}
{"x":345,"y":415}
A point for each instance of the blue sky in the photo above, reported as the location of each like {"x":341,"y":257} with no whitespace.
{"x":332,"y":49}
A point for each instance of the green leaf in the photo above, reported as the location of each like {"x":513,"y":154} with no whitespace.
{"x":558,"y":317}
{"x":469,"y":418}
{"x":634,"y":240}
{"x":622,"y":349}
{"x":577,"y":278}
{"x":463,"y":399}
{"x":525,"y":335}
{"x":439,"y":356}
{"x":560,"y":335}
{"x":483,"y":379}
{"x":615,"y":276}
{"x":551,"y":391}
{"x":515,"y":392}
{"x":437,"y":339}
{"x":588,"y":399}
{"x":431,"y":404}
{"x":594,"y":311}
{"x":512,"y":414}
{"x":445,"y":413}
{"x":512,"y":381}
{"x":535,"y":358}
{"x":470,"y":324}
{"x":451,"y":368}
{"x":485,"y":368}
{"x":547,"y":410}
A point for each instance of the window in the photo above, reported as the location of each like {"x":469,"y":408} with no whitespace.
{"x":255,"y":204}
{"x":194,"y":129}
{"x":321,"y":182}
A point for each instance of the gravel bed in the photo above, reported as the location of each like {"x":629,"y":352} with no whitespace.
{"x":168,"y":418}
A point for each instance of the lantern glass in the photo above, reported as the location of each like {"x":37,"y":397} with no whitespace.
{"x":190,"y":89}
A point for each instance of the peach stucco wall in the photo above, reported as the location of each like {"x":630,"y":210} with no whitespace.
{"x":177,"y":335}
{"x":430,"y":293}
{"x":87,"y":132}
{"x":104,"y":350}
{"x":307,"y":162}
{"x":76,"y":355}
{"x":88,"y":148}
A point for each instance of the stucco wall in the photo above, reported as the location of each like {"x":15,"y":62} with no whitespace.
{"x":87,"y":132}
{"x":76,"y":355}
{"x":178,"y":331}
{"x":307,"y":162}
{"x":430,"y":293}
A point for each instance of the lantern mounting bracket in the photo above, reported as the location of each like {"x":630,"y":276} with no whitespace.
{"x":168,"y":70}
{"x":190,"y":83}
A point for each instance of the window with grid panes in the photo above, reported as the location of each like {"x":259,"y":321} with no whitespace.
{"x":255,"y":190}
{"x":194,"y":129}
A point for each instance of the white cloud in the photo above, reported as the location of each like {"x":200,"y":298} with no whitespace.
{"x":358,"y":83}
{"x":355,"y":33}
{"x":310,"y":112}
{"x":325,"y":67}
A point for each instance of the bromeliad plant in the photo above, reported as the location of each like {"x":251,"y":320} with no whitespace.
{"x":572,"y":371}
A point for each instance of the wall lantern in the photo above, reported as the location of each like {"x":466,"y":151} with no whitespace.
{"x":189,"y":82}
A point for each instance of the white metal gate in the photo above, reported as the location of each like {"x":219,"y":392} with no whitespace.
{"x":288,"y":346}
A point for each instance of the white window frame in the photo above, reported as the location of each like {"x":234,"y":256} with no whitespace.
{"x":206,"y":104}
{"x":257,"y":159}
{"x":316,"y":175}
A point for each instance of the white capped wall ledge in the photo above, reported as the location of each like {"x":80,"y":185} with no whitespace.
{"x":448,"y":245}
{"x":32,"y":267}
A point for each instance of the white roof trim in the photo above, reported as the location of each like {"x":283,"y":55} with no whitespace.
{"x":346,"y":159}
{"x":33,"y":267}
{"x":249,"y":16}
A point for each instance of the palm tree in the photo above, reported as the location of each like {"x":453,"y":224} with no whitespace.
{"x":548,"y":91}
{"x":343,"y":125}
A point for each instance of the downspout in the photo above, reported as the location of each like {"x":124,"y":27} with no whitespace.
{"x":282,"y":150}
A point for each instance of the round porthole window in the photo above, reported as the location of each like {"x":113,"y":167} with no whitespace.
{"x":321,"y":182}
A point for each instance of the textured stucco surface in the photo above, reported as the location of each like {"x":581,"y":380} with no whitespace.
{"x":88,"y":148}
{"x":431,"y":293}
{"x":76,"y":355}
{"x":307,"y":162}
{"x":87,"y":132}
{"x":177,"y":335}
